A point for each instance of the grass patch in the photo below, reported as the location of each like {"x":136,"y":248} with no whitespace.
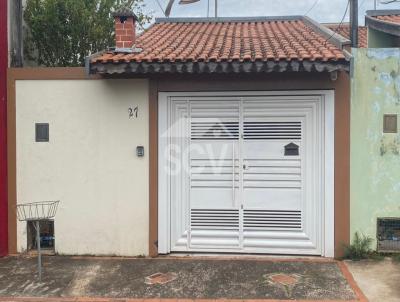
{"x":360,"y":248}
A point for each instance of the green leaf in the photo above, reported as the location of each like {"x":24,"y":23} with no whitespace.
{"x":64,"y":32}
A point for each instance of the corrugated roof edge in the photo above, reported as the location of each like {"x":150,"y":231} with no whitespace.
{"x":216,"y":67}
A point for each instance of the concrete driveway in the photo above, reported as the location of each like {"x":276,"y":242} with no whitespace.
{"x":172,"y":278}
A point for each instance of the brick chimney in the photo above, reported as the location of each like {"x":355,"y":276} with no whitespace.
{"x":125,"y":28}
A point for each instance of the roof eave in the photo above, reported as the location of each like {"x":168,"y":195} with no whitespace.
{"x":383,"y":26}
{"x":224,"y":67}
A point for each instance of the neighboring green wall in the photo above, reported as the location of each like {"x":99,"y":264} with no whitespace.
{"x":375,"y":156}
{"x":378,"y":39}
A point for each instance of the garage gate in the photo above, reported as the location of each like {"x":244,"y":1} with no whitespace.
{"x":245,"y":173}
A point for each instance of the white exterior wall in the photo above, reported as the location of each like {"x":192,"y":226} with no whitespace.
{"x":90,"y":163}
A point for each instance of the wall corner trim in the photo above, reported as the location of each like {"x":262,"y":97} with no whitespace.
{"x":153,"y":168}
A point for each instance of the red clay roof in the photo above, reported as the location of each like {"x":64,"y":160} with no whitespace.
{"x":344,"y":31}
{"x":210,"y":41}
{"x":389,"y":18}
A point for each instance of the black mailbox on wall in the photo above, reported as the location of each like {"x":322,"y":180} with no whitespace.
{"x":291,"y":149}
{"x":42,"y":132}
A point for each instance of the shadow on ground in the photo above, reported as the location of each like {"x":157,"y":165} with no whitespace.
{"x":191,"y":278}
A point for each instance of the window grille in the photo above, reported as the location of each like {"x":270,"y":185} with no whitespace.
{"x":388,"y":233}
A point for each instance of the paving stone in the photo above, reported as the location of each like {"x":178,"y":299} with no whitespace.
{"x":284,"y":279}
{"x":160,"y":278}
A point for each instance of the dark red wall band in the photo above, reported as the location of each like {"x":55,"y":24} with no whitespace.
{"x":3,"y":128}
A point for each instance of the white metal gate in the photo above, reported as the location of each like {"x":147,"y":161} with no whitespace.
{"x":243,"y":174}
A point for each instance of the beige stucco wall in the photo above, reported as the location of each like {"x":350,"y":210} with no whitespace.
{"x":90,"y":163}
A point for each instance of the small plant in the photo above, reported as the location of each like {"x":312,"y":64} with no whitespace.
{"x":359,"y":248}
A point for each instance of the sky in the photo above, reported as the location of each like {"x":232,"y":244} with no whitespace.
{"x":324,"y":11}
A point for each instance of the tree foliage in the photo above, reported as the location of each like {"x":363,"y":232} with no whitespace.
{"x":64,"y":32}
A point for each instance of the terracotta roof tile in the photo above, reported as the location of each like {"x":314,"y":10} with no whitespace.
{"x":389,"y":18}
{"x":344,"y":31}
{"x":200,"y":41}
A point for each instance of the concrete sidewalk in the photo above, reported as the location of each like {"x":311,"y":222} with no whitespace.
{"x":379,"y":280}
{"x":74,"y":278}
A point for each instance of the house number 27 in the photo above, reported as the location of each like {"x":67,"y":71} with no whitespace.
{"x":133,"y":112}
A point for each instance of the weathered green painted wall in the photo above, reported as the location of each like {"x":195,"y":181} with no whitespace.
{"x":375,"y":156}
{"x":378,"y":39}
